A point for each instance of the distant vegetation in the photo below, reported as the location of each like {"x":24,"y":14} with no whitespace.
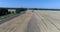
{"x":4,"y":11}
{"x":20,"y":10}
{"x":44,"y":9}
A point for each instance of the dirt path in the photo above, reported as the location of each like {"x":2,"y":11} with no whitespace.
{"x":32,"y":25}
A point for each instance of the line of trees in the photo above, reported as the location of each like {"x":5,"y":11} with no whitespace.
{"x":43,"y":9}
{"x":4,"y":11}
{"x":20,"y":10}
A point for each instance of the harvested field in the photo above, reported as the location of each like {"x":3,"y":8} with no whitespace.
{"x":36,"y":21}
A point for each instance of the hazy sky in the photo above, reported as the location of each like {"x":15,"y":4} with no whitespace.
{"x":31,"y":3}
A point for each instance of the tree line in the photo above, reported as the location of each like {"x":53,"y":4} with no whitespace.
{"x":4,"y":11}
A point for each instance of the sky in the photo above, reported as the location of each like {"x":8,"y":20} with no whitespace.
{"x":53,"y":4}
